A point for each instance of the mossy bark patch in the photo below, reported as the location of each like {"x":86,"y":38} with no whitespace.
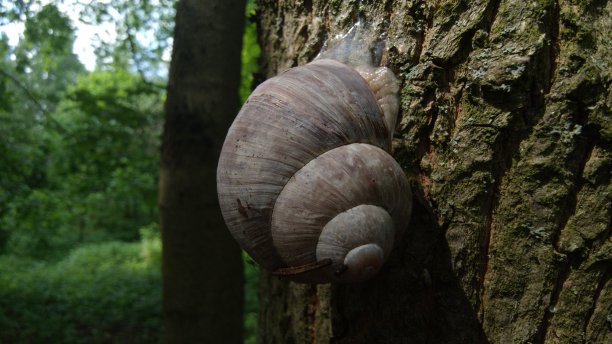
{"x":505,"y":132}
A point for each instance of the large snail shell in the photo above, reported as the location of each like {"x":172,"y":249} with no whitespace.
{"x":305,"y":181}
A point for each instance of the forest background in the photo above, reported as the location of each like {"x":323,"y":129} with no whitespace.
{"x":80,"y":246}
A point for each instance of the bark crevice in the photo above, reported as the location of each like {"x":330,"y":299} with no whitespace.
{"x":600,"y":286}
{"x":499,"y":135}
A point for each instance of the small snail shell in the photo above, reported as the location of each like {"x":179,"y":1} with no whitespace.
{"x":305,"y":181}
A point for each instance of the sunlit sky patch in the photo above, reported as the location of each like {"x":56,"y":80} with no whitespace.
{"x":85,"y":34}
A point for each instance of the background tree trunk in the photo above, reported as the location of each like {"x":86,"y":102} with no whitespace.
{"x":202,"y":265}
{"x":505,"y":131}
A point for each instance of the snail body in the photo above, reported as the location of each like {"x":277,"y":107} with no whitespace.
{"x":305,"y":180}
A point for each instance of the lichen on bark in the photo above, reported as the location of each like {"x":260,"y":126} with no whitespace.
{"x":505,"y":132}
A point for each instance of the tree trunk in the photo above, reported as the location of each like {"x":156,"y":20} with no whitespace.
{"x":505,"y":132}
{"x":202,"y":265}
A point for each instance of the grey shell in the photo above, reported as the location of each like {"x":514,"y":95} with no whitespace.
{"x":307,"y":145}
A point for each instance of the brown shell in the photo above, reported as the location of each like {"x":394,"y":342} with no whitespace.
{"x":334,"y":182}
{"x":288,"y":121}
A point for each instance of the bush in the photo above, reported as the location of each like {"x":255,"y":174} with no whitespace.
{"x":151,"y":247}
{"x":99,"y":293}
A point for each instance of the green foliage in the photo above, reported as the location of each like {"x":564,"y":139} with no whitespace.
{"x":150,"y":244}
{"x":34,"y":76}
{"x":106,"y":292}
{"x":80,"y":246}
{"x":250,"y":52}
{"x":6,"y":98}
{"x":11,"y":11}
{"x":107,"y":166}
{"x":51,"y":33}
{"x":98,"y":179}
{"x":44,"y":62}
{"x":144,"y":33}
{"x":28,"y":219}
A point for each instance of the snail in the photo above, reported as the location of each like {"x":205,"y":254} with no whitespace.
{"x":306,"y":182}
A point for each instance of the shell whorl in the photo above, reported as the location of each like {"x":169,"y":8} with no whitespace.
{"x":335,"y":182}
{"x":293,"y":160}
{"x":361,"y":254}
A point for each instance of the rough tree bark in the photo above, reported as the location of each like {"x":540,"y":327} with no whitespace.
{"x":505,"y":131}
{"x":202,"y":265}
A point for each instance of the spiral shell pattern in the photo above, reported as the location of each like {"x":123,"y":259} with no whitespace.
{"x":305,"y":168}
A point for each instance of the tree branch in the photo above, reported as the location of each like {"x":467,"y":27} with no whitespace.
{"x":34,"y":100}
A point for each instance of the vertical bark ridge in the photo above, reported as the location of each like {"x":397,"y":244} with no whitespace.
{"x":572,"y":309}
{"x":570,"y":262}
{"x":423,"y":13}
{"x":486,"y":246}
{"x":501,"y":104}
{"x":454,"y":25}
{"x":569,"y":208}
{"x":555,"y":25}
{"x":587,"y":270}
{"x":479,"y":16}
{"x":489,"y":130}
{"x":557,"y":288}
{"x":604,"y":277}
{"x":557,"y":148}
{"x":593,"y":189}
{"x":597,"y":328}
